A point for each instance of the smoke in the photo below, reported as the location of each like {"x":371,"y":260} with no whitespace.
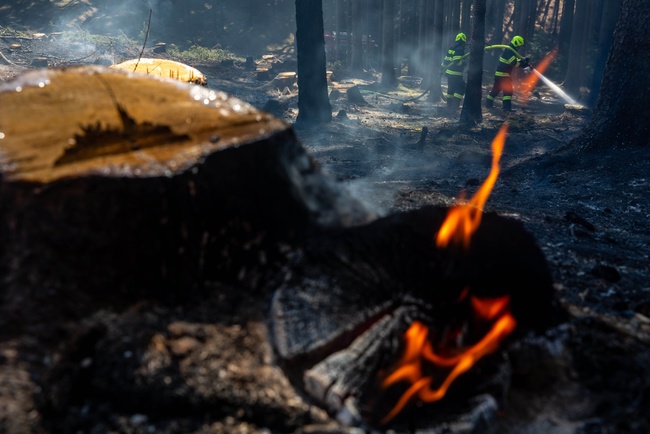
{"x":383,"y":171}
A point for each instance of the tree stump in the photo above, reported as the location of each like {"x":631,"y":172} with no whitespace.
{"x":285,"y":79}
{"x":355,"y":97}
{"x":125,"y":184}
{"x":164,"y":68}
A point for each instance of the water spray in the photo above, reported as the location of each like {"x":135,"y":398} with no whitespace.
{"x":555,"y":88}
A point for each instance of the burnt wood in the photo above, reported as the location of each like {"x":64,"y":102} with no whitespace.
{"x":339,"y":317}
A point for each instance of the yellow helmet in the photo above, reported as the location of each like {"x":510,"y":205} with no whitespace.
{"x":517,"y":41}
{"x":461,"y":37}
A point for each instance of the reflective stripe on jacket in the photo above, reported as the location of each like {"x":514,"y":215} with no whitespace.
{"x":454,"y":57}
{"x":507,"y":61}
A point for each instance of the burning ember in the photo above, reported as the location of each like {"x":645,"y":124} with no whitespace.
{"x":488,"y":322}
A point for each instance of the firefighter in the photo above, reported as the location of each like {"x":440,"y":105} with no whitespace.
{"x":454,"y":63}
{"x":502,"y":79}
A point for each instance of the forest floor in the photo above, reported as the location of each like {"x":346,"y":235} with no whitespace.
{"x":208,"y":366}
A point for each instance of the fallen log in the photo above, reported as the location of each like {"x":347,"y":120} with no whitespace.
{"x":116,"y":183}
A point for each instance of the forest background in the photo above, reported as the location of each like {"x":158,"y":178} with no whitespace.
{"x":579,"y":30}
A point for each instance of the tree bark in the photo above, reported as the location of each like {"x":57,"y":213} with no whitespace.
{"x":429,"y":73}
{"x":413,"y":33}
{"x":492,"y":57}
{"x":522,"y":8}
{"x":357,"y":38}
{"x":137,"y":187}
{"x":388,"y":77}
{"x":575,"y":62}
{"x":465,"y":21}
{"x":435,"y":93}
{"x":471,"y":113}
{"x":532,"y":19}
{"x":313,"y":101}
{"x":338,"y":28}
{"x":610,"y":14}
{"x":422,"y":41}
{"x":622,"y":110}
{"x":566,"y":27}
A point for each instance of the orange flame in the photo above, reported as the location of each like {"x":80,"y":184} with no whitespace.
{"x":531,"y":80}
{"x":463,"y":220}
{"x":419,"y":349}
{"x":491,"y":314}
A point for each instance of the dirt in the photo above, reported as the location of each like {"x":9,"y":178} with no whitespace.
{"x":207,"y":365}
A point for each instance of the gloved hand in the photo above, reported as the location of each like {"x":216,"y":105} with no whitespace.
{"x":525,"y":62}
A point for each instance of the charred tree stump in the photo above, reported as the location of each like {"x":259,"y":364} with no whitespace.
{"x":338,"y":319}
{"x":117,"y":184}
{"x":355,"y":97}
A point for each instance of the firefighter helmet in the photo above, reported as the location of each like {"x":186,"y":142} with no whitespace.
{"x":461,"y":37}
{"x":517,"y":41}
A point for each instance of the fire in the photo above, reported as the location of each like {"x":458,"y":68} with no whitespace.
{"x":487,"y":323}
{"x":463,"y":220}
{"x":455,"y":361}
{"x":531,"y":80}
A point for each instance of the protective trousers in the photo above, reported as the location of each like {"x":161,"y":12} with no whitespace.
{"x":455,"y":90}
{"x":501,"y":84}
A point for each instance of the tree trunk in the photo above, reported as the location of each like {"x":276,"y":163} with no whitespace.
{"x":136,"y":187}
{"x":490,"y":17}
{"x":575,"y":73}
{"x":610,"y":14}
{"x":435,"y":91}
{"x":566,"y":27}
{"x":492,"y":56}
{"x":338,"y":28}
{"x":556,"y":14}
{"x":622,"y":110}
{"x":423,"y":38}
{"x":413,"y":33}
{"x":465,"y":23}
{"x":522,"y":9}
{"x":313,"y":101}
{"x":388,"y":78}
{"x":471,"y":113}
{"x":357,"y":38}
{"x":429,"y":73}
{"x":532,"y":19}
{"x":454,"y":19}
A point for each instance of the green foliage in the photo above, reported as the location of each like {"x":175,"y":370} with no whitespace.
{"x":83,"y":36}
{"x":199,"y":54}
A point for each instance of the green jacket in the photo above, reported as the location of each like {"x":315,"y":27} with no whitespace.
{"x":455,"y":57}
{"x":508,"y":60}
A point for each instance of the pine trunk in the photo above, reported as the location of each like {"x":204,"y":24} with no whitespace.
{"x":357,"y":38}
{"x":388,"y":77}
{"x":575,"y":73}
{"x":620,"y":115}
{"x":471,"y":113}
{"x":313,"y":101}
{"x":566,"y":27}
{"x":610,"y":14}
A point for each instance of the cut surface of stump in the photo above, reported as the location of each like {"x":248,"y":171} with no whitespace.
{"x":164,"y":68}
{"x":113,"y":181}
{"x":58,"y":123}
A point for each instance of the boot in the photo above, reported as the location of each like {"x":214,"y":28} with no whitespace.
{"x":489,"y":103}
{"x":450,"y":100}
{"x":455,"y":102}
{"x":507,"y":105}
